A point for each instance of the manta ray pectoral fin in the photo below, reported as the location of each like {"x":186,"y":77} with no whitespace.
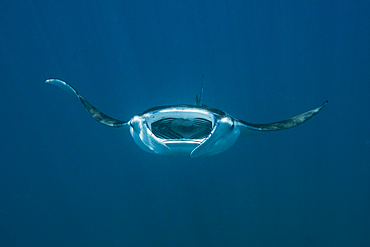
{"x":63,"y":85}
{"x":249,"y":129}
{"x":95,"y":113}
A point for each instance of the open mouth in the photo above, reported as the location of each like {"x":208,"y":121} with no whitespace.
{"x":182,"y":128}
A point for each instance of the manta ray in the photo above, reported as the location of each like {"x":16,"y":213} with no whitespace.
{"x":185,"y":129}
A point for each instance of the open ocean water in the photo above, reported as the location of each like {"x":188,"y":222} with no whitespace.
{"x":66,"y":180}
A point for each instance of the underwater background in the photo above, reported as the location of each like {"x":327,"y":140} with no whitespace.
{"x":66,"y":180}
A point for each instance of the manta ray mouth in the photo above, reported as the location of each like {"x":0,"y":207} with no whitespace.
{"x":182,"y":128}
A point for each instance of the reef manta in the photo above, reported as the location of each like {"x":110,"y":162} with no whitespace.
{"x":195,"y":130}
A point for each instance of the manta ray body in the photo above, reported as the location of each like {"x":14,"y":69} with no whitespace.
{"x":195,"y":130}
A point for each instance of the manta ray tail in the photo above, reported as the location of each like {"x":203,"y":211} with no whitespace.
{"x":198,"y":100}
{"x":95,"y":113}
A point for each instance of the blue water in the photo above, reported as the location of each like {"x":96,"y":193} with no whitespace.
{"x":66,"y":180}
